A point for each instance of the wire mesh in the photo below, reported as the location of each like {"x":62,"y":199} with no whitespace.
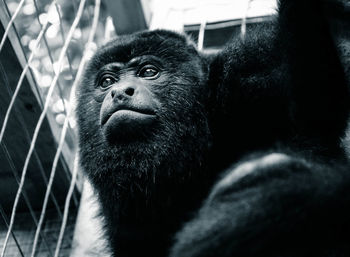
{"x":51,"y":68}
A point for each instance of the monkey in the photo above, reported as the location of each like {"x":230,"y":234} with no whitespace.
{"x":233,"y":154}
{"x":147,"y":131}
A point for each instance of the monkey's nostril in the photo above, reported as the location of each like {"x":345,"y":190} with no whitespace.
{"x":112,"y":93}
{"x":129,"y":91}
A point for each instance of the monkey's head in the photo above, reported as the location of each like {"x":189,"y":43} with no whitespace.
{"x":142,"y":106}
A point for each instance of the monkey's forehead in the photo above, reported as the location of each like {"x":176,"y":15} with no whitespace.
{"x":161,"y":43}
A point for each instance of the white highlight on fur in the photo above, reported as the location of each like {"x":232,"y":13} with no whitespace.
{"x":89,"y":238}
{"x":250,"y":166}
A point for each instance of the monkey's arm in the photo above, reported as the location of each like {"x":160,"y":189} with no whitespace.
{"x":273,"y":205}
{"x":286,"y":72}
{"x":318,"y":83}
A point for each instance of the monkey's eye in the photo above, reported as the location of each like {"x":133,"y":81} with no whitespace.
{"x":107,"y":81}
{"x":148,"y":72}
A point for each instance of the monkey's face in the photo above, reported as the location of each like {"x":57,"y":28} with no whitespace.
{"x":142,"y":101}
{"x":138,"y":86}
{"x":129,"y":107}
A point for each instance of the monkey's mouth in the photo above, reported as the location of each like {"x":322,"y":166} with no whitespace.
{"x":127,"y":125}
{"x":130,"y":114}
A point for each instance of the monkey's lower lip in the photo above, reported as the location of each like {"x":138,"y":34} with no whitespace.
{"x":127,"y":125}
{"x":131,"y":115}
{"x":127,"y":119}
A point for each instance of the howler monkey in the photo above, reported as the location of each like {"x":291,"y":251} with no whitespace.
{"x":234,"y":154}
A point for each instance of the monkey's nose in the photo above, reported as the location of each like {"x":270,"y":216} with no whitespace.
{"x":122,"y":93}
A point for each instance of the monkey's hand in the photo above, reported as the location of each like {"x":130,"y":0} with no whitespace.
{"x":274,"y":205}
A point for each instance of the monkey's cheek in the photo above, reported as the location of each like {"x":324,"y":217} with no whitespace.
{"x":126,"y":126}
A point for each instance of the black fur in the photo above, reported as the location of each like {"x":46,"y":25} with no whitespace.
{"x":280,"y":90}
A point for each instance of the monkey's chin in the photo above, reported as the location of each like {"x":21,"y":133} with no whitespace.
{"x":126,"y":126}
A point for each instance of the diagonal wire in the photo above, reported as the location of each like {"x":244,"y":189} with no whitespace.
{"x":66,"y":207}
{"x":40,"y":121}
{"x":20,"y":81}
{"x":37,"y":91}
{"x":20,"y":119}
{"x":57,"y":155}
{"x":7,"y":30}
{"x":47,"y":46}
{"x":3,"y":215}
{"x":65,"y":126}
{"x":58,"y":82}
{"x":63,"y":38}
{"x":24,"y":194}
